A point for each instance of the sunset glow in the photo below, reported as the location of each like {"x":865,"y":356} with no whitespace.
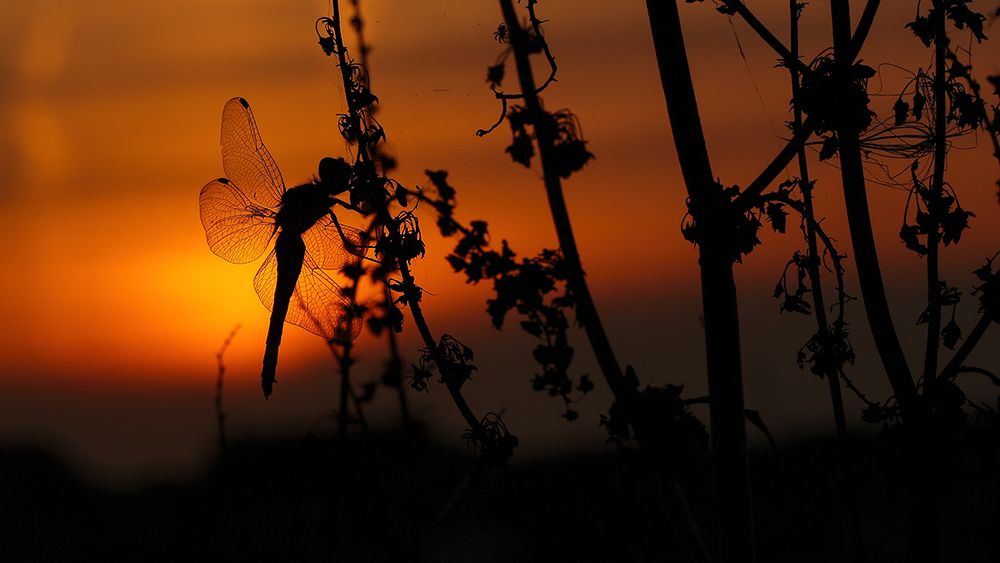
{"x":109,"y":127}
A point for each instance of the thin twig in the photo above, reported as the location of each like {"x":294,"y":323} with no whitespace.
{"x":790,"y":59}
{"x":396,"y":364}
{"x":933,"y":314}
{"x":219,"y":414}
{"x":950,"y":370}
{"x":832,"y":372}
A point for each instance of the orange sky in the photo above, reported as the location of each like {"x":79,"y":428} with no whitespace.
{"x":109,"y":126}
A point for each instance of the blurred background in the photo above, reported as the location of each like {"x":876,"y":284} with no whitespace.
{"x":113,"y":306}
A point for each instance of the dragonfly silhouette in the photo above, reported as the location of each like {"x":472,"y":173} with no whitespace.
{"x":243,"y":213}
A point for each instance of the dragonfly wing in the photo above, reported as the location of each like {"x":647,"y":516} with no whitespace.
{"x":318,"y":304}
{"x":237,"y":229}
{"x":245,"y":159}
{"x":266,"y":280}
{"x":331,"y":251}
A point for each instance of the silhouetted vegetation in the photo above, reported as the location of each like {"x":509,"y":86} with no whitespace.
{"x":378,"y":496}
{"x":926,"y":415}
{"x":923,"y":485}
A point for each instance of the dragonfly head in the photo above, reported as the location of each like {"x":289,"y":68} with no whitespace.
{"x":334,"y":175}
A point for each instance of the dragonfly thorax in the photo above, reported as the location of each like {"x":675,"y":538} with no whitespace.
{"x":302,"y":206}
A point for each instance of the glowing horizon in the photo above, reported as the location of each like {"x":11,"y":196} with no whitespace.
{"x":115,"y":129}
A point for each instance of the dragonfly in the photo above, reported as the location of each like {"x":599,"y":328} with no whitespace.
{"x":248,"y":208}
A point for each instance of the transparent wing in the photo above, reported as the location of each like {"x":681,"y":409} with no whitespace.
{"x":237,"y":229}
{"x":329,"y":250}
{"x":318,"y":303}
{"x":245,"y":158}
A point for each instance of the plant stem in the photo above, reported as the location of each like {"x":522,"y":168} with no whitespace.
{"x":450,"y":380}
{"x":354,"y":111}
{"x":991,"y":126}
{"x":722,"y":338}
{"x":382,"y":217}
{"x":914,"y":469}
{"x":823,"y":326}
{"x":748,"y":198}
{"x":933,"y":209}
{"x":818,"y":301}
{"x":357,"y":408}
{"x":343,"y":416}
{"x":862,"y":238}
{"x":366,"y":149}
{"x":955,"y":363}
{"x":766,"y":35}
{"x":404,"y":409}
{"x":805,"y":186}
{"x":864,"y":26}
{"x":586,"y":311}
{"x":219,"y":414}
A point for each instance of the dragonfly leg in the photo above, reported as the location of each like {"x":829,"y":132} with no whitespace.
{"x":352,"y":247}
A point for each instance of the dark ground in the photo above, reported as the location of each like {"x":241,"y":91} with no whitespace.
{"x":396,"y":497}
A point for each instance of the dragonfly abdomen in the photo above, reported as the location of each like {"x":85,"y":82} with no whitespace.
{"x":289,"y":252}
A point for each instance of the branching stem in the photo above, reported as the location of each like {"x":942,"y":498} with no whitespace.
{"x":586,"y":311}
{"x":722,"y":334}
{"x":382,"y":217}
{"x":862,"y":239}
{"x":970,"y":342}
{"x":805,"y":186}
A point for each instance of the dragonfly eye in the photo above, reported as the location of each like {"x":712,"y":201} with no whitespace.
{"x":335,"y":174}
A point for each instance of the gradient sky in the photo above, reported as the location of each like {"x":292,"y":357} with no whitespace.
{"x":114,"y":305}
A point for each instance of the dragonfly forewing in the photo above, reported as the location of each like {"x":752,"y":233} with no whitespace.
{"x":245,"y":159}
{"x":236,"y":228}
